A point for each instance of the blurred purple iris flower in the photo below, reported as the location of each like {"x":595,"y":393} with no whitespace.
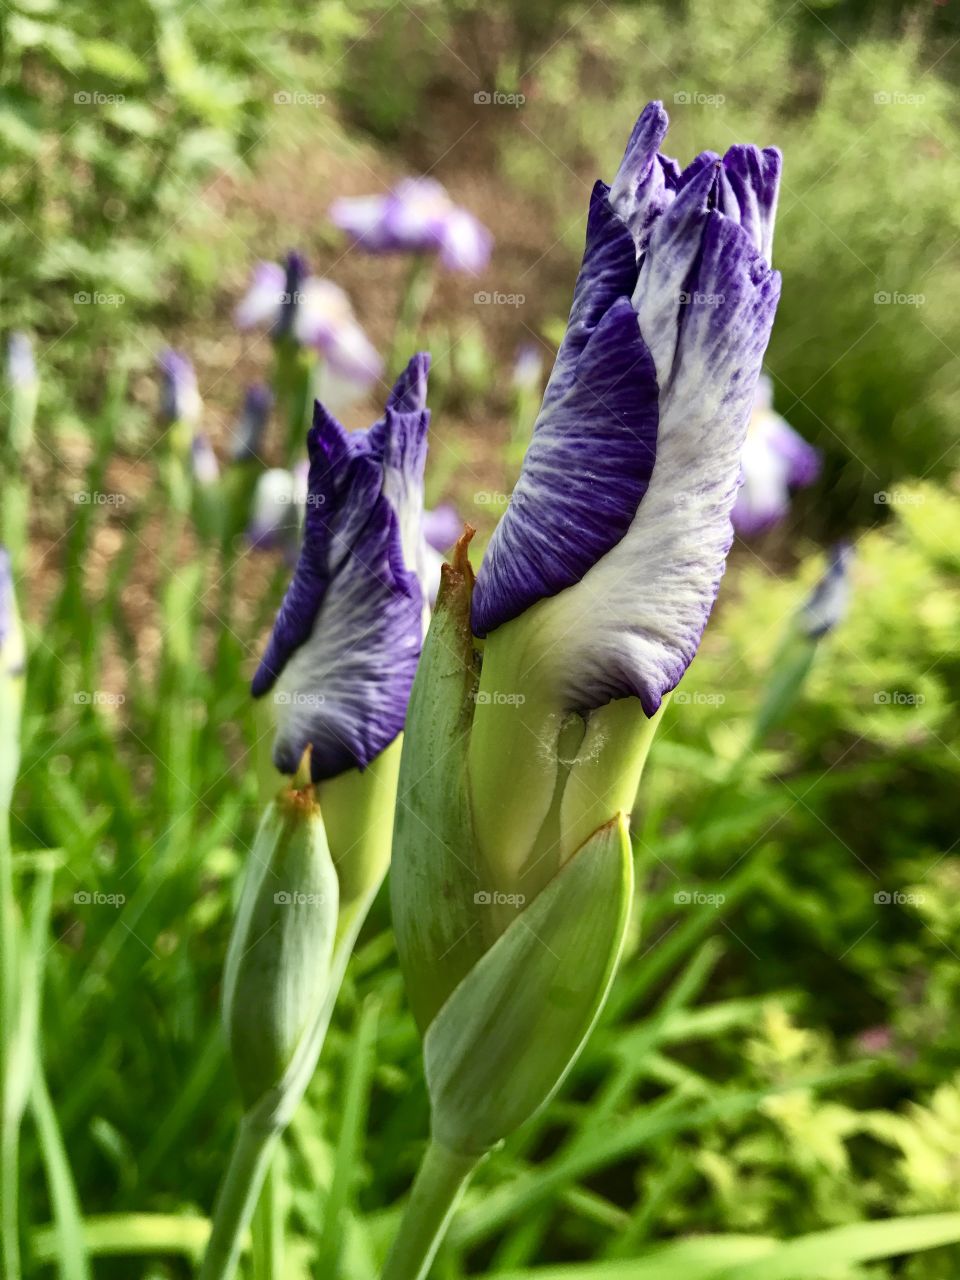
{"x":528,"y":367}
{"x":775,"y":460}
{"x":441,"y":529}
{"x":671,"y":316}
{"x":347,"y":638}
{"x":179,"y":395}
{"x":315,"y":312}
{"x":417,"y":216}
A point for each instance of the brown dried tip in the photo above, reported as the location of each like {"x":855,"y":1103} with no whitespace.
{"x":457,"y":578}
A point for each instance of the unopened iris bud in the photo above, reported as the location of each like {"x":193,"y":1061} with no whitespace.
{"x":12,"y":666}
{"x":251,"y":426}
{"x":512,"y":873}
{"x":206,"y":469}
{"x":600,"y":577}
{"x":180,"y":402}
{"x":827,"y":604}
{"x":296,"y":307}
{"x":24,"y":387}
{"x":278,"y":966}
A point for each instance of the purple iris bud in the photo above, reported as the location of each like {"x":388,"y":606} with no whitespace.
{"x":671,"y":315}
{"x":316,"y":313}
{"x":179,"y":395}
{"x":528,"y":367}
{"x":21,"y":365}
{"x":775,"y":460}
{"x":347,"y":638}
{"x":417,"y":216}
{"x":12,"y":656}
{"x":252,"y":424}
{"x":278,"y":501}
{"x":294,"y":278}
{"x":829,"y":600}
{"x":206,"y":469}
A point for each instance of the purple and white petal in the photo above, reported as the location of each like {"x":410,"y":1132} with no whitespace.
{"x":602,"y":433}
{"x":619,"y":556}
{"x":362,"y":218}
{"x":347,"y":637}
{"x":645,"y":182}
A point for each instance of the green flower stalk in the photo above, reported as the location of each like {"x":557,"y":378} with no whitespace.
{"x":339,"y":666}
{"x":512,"y":868}
{"x":15,"y":1039}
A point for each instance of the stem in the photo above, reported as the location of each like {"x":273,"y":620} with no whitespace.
{"x":249,"y":1162}
{"x":9,"y":1119}
{"x":440,"y":1182}
{"x":413,"y":303}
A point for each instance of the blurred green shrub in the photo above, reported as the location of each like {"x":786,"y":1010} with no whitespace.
{"x":111,"y":119}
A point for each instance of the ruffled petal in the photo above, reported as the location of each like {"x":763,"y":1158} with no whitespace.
{"x":633,"y":623}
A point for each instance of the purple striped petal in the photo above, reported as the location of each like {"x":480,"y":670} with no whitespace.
{"x":347,"y":637}
{"x":673,"y":309}
{"x":602,"y":433}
